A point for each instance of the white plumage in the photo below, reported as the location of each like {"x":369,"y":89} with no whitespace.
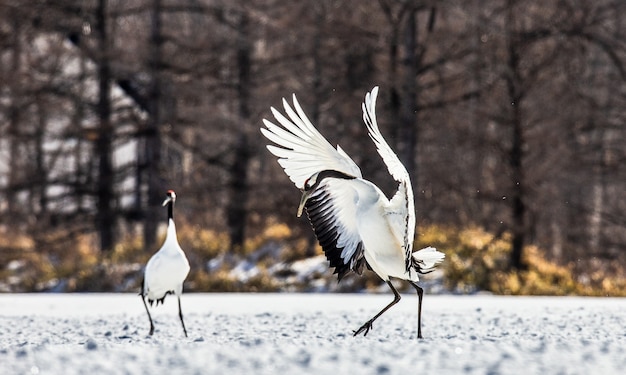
{"x":355,"y":223}
{"x":167,"y":269}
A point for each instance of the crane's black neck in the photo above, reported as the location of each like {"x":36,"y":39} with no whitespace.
{"x":170,"y":210}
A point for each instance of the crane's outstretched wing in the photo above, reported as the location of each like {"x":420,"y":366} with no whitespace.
{"x":395,"y":167}
{"x":403,"y":200}
{"x":332,"y":210}
{"x":303,"y":150}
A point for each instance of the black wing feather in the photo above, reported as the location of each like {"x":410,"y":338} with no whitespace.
{"x":319,"y":209}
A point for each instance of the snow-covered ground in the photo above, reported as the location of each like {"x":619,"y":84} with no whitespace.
{"x":311,"y":333}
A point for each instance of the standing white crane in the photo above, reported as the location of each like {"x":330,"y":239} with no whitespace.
{"x":354,"y":222}
{"x":167,"y":269}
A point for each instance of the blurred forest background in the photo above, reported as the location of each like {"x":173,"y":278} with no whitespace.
{"x":509,"y":115}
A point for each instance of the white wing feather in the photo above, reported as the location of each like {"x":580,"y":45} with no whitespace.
{"x":402,"y":202}
{"x":428,"y":258}
{"x":395,"y":167}
{"x":303,"y":150}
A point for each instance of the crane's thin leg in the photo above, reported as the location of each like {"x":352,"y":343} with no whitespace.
{"x":365,"y":328}
{"x":420,"y":295}
{"x":180,"y":314}
{"x":143,"y":298}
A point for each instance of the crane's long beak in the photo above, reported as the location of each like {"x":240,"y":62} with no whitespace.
{"x":167,"y":200}
{"x":305,"y":197}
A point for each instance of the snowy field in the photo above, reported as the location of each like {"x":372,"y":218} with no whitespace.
{"x":311,"y":334}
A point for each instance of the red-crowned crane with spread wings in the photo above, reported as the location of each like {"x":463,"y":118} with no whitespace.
{"x":355,"y":223}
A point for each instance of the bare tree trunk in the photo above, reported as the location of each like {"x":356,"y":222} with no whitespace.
{"x":597,"y":206}
{"x":236,"y":215}
{"x":237,"y":211}
{"x":394,"y":96}
{"x":79,"y":179}
{"x":14,"y":123}
{"x":105,"y":217}
{"x":316,"y":81}
{"x":153,"y":137}
{"x":408,"y":108}
{"x":518,"y":206}
{"x":40,"y":179}
{"x":600,"y":170}
{"x":392,"y":54}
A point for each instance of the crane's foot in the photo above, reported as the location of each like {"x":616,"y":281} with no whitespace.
{"x":365,"y":328}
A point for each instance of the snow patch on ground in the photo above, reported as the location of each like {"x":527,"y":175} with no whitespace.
{"x":311,"y":334}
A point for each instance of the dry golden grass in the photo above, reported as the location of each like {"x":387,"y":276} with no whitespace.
{"x":475,"y":261}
